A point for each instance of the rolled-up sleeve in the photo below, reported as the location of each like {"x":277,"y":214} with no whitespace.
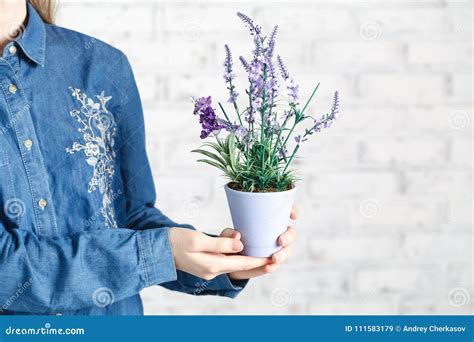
{"x":42,"y":274}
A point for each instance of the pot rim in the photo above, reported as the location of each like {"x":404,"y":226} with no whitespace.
{"x":259,"y":193}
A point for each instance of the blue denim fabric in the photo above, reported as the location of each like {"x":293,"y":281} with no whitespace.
{"x":79,"y":233}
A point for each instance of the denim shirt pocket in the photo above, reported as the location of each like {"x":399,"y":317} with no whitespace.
{"x":11,"y":207}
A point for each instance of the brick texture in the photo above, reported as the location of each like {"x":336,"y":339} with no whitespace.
{"x":386,"y":194}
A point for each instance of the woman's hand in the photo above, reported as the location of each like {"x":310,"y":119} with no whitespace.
{"x":285,"y":240}
{"x":207,"y":257}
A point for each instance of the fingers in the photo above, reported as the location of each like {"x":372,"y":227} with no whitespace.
{"x":219,"y":264}
{"x":257,"y":272}
{"x":277,"y":259}
{"x":221,"y":245}
{"x":243,"y":263}
{"x":287,"y":237}
{"x":234,"y":263}
{"x":282,"y":255}
{"x":294,"y":213}
{"x":231,"y":233}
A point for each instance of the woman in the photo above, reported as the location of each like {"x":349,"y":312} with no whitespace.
{"x":80,"y":234}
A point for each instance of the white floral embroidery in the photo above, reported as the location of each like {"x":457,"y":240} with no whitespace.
{"x":98,"y":129}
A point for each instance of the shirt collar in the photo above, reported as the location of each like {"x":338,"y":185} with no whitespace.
{"x":33,"y":39}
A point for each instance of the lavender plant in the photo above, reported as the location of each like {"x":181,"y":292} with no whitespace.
{"x":255,"y":153}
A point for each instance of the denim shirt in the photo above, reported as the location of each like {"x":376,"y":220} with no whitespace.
{"x":79,"y":232}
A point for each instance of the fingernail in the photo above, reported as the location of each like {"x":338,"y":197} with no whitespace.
{"x":276,"y":259}
{"x":236,"y":246}
{"x":282,"y":241}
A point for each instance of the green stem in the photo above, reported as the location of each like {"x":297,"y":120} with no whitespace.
{"x":250,"y":132}
{"x":310,"y":98}
{"x":235,"y":104}
{"x":301,"y":114}
{"x":291,"y":158}
{"x":294,"y":152}
{"x":277,"y":143}
{"x":262,"y":111}
{"x":223,"y":111}
{"x":289,"y":134}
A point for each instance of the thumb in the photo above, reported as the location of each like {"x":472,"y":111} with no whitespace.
{"x":221,"y":245}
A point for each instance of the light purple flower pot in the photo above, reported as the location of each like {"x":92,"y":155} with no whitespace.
{"x":261,"y":218}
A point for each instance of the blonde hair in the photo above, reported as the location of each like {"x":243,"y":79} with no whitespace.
{"x":45,"y":8}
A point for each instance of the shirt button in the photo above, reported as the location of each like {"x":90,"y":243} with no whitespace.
{"x":42,"y":203}
{"x":12,"y":88}
{"x":28,"y":143}
{"x":12,"y":49}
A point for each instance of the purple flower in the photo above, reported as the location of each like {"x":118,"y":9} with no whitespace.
{"x":250,"y":116}
{"x":201,"y":103}
{"x":271,"y":124}
{"x":299,"y":139}
{"x":258,"y":45}
{"x":233,"y":96}
{"x":240,"y":132}
{"x":283,"y":70}
{"x":328,"y":119}
{"x":283,"y":153}
{"x":272,"y":89}
{"x":229,"y":75}
{"x":335,"y":105}
{"x":288,"y":114}
{"x":293,"y":90}
{"x":255,"y":30}
{"x":207,"y":117}
{"x":256,"y":70}
{"x":245,"y":64}
{"x":248,"y":22}
{"x":272,"y":83}
{"x":271,"y":42}
{"x":257,"y":103}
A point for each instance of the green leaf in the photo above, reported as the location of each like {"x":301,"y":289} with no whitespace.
{"x":231,"y":149}
{"x":210,"y":155}
{"x":213,"y":163}
{"x":215,"y":146}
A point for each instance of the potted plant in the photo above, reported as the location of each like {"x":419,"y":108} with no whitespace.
{"x":256,"y":149}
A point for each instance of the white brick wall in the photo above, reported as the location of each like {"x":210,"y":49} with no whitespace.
{"x":386,"y":196}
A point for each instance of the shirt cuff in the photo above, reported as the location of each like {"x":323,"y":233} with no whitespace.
{"x":232,"y":288}
{"x":156,"y":256}
{"x":219,"y":286}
